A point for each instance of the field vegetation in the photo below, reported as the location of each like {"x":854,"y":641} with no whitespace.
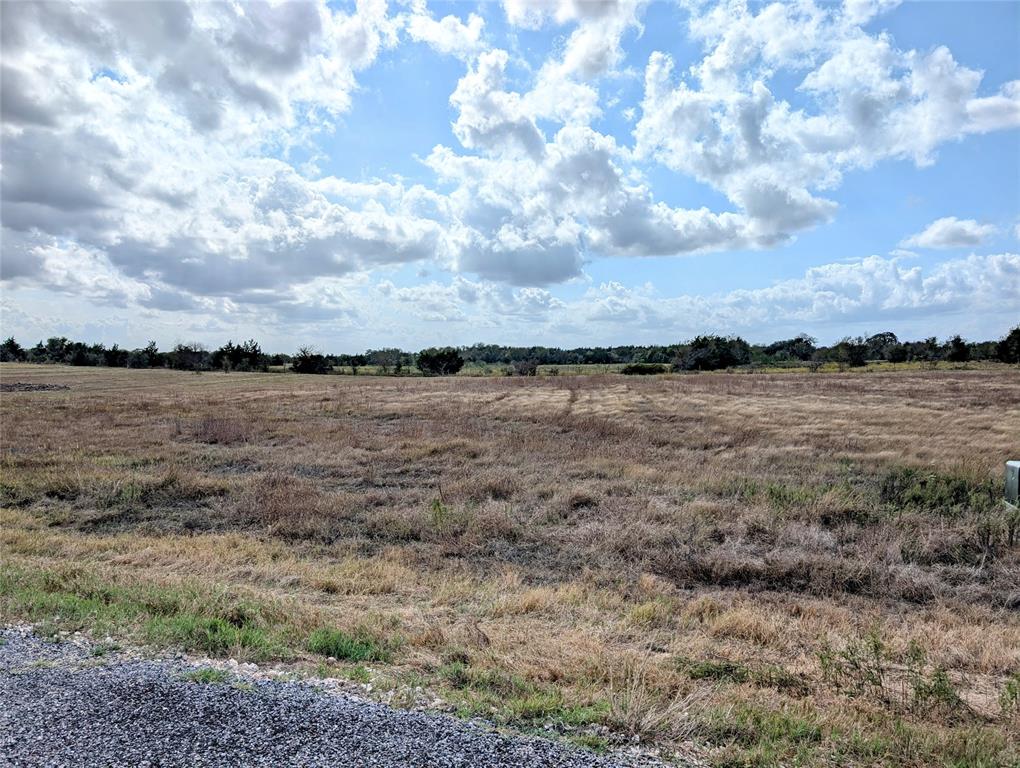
{"x":775,"y":569}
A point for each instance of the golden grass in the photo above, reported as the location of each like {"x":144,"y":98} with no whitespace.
{"x":559,"y":548}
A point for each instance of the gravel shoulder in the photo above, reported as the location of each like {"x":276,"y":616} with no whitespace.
{"x":63,"y":705}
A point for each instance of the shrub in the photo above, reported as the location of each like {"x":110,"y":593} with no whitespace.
{"x":931,"y":491}
{"x":643,"y":369}
{"x":525,"y":367}
{"x":868,"y":667}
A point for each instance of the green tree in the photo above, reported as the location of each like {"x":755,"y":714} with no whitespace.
{"x":11,"y":351}
{"x":307,"y":360}
{"x":444,"y":361}
{"x":711,"y":353}
{"x":957,"y":350}
{"x":1008,"y":349}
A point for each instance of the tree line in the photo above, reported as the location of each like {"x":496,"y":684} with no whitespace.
{"x":703,"y":353}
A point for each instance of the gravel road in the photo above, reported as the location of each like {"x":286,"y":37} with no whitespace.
{"x":62,"y":706}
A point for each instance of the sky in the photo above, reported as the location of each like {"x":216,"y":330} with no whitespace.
{"x":561,"y":172}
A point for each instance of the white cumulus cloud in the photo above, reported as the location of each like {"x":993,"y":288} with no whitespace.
{"x":951,"y":232}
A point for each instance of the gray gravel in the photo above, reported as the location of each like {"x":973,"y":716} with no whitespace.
{"x":61,"y":706}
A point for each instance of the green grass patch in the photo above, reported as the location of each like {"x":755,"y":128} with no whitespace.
{"x":213,"y":635}
{"x":515,"y":700}
{"x":206,"y":675}
{"x":215,"y":622}
{"x":754,"y":735}
{"x":347,"y":647}
{"x":104,"y":649}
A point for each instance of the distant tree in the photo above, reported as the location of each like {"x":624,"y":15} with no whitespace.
{"x":115,"y":357}
{"x":880,"y":345}
{"x":850,"y":352}
{"x":444,"y":361}
{"x":81,"y":354}
{"x":307,"y":360}
{"x":189,"y":357}
{"x":246,"y":356}
{"x":37,"y":354}
{"x":354,"y":362}
{"x":799,"y":348}
{"x":1008,"y":350}
{"x":386,"y":359}
{"x":711,"y":353}
{"x":897,"y":353}
{"x":57,"y":350}
{"x":147,"y":357}
{"x":927,"y":350}
{"x":223,"y":357}
{"x":11,"y":351}
{"x":957,"y":350}
{"x":525,"y":367}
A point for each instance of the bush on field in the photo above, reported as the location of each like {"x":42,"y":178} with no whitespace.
{"x":907,"y":487}
{"x":643,"y":369}
{"x":525,"y":367}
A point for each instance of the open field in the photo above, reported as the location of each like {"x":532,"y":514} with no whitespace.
{"x":594,"y":369}
{"x":774,"y":569}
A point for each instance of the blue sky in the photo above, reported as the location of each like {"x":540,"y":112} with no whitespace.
{"x":564,"y":172}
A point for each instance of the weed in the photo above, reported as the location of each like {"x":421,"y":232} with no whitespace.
{"x":763,"y":676}
{"x":105,"y":648}
{"x":1009,"y":699}
{"x":868,"y":667}
{"x":206,"y":675}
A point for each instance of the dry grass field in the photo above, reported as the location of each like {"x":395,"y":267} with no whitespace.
{"x":763,"y":569}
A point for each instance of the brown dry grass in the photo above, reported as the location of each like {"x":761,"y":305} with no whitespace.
{"x":566,"y":548}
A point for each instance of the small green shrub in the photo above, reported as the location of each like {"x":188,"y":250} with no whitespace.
{"x":439,"y":514}
{"x":727,"y":671}
{"x":945,"y":494}
{"x":868,"y":667}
